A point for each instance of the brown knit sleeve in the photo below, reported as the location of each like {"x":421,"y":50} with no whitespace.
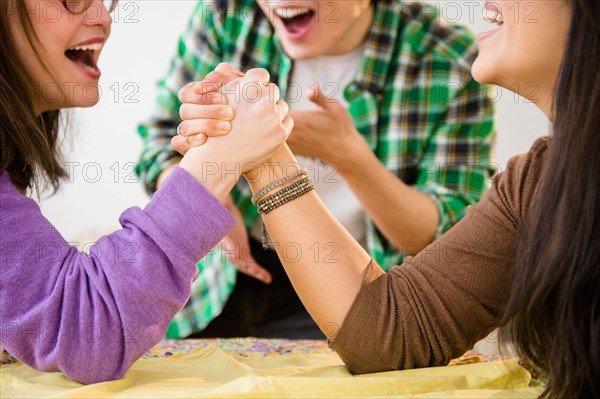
{"x":436,"y":305}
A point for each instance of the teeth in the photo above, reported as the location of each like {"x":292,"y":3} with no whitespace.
{"x":92,"y":47}
{"x":90,"y":68}
{"x":492,"y":15}
{"x":289,"y":12}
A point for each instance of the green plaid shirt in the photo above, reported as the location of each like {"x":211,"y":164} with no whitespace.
{"x":413,"y":99}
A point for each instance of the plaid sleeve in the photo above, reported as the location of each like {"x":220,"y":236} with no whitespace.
{"x":456,"y":167}
{"x":198,"y":53}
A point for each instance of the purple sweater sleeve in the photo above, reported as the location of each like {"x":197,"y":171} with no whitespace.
{"x":92,"y":315}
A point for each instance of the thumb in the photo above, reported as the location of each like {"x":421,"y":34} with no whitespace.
{"x":316,"y":95}
{"x":246,"y":264}
{"x":253,"y":269}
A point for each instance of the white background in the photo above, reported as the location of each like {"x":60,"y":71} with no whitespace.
{"x":104,"y":138}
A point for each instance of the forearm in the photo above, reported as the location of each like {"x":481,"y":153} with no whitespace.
{"x":324,"y":263}
{"x":91,"y":316}
{"x":407,"y":218}
{"x":210,"y":169}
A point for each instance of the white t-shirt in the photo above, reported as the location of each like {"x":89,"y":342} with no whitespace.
{"x":333,"y":74}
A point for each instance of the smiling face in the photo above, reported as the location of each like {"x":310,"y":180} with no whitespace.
{"x":524,"y":52}
{"x":310,"y":28}
{"x":70,"y":45}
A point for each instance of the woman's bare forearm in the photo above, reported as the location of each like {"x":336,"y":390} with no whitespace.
{"x":323,"y":261}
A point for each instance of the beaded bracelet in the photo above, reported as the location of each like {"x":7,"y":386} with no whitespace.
{"x":281,"y":197}
{"x":284,"y":195}
{"x":261,"y":193}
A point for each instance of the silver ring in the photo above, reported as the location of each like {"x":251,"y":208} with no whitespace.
{"x":179,"y":130}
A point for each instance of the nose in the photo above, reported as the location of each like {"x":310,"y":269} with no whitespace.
{"x":98,"y":14}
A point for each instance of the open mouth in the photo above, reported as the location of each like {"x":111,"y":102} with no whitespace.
{"x":295,"y":20}
{"x":85,"y":56}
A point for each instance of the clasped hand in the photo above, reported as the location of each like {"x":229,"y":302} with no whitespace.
{"x":261,"y":126}
{"x":327,"y":132}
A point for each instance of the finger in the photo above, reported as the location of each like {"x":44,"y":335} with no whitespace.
{"x":210,"y":127}
{"x":283,"y":109}
{"x":185,"y":91}
{"x":201,"y":111}
{"x":316,"y":95}
{"x":274,"y":94}
{"x":213,"y":82}
{"x":253,"y":269}
{"x":182,"y":144}
{"x":258,"y":75}
{"x":288,"y":125}
{"x":190,"y":96}
{"x":223,"y":73}
{"x":225,"y":67}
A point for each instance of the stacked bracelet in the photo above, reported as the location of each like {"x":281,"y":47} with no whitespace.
{"x":283,"y":196}
{"x":263,"y":191}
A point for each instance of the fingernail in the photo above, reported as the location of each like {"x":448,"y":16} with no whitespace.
{"x":224,"y":126}
{"x":226,"y":112}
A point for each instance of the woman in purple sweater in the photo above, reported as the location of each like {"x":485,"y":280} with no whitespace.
{"x":92,"y":315}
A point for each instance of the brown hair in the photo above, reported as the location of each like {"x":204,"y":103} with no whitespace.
{"x":30,"y":152}
{"x":554,"y":306}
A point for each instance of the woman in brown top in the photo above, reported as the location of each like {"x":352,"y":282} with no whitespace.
{"x":526,"y":257}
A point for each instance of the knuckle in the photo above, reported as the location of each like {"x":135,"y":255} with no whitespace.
{"x":211,"y":73}
{"x":260,"y":73}
{"x":184,"y":111}
{"x":202,"y":111}
{"x":223,"y":66}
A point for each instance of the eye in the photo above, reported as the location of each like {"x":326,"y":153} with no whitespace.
{"x":79,"y":6}
{"x":76,"y":6}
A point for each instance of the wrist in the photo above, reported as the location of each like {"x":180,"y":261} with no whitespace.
{"x":166,"y":172}
{"x":213,"y":172}
{"x":281,"y":164}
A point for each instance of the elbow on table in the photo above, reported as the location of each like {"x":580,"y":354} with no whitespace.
{"x":83,"y":368}
{"x":365,"y":362}
{"x":87,"y":377}
{"x":369,"y":365}
{"x":367,"y":359}
{"x":358,"y":368}
{"x":90,"y":364}
{"x":94,"y":369}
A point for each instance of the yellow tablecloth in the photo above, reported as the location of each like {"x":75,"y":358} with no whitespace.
{"x":214,"y":369}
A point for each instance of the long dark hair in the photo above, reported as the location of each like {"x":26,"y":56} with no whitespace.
{"x":554,"y":307}
{"x":29,"y":150}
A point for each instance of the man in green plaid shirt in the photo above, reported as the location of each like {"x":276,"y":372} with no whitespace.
{"x":409,"y":97}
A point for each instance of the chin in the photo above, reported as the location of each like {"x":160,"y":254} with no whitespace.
{"x":301,"y":52}
{"x":89,"y":96}
{"x":482,"y":72}
{"x":83,"y":102}
{"x":297,"y":53}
